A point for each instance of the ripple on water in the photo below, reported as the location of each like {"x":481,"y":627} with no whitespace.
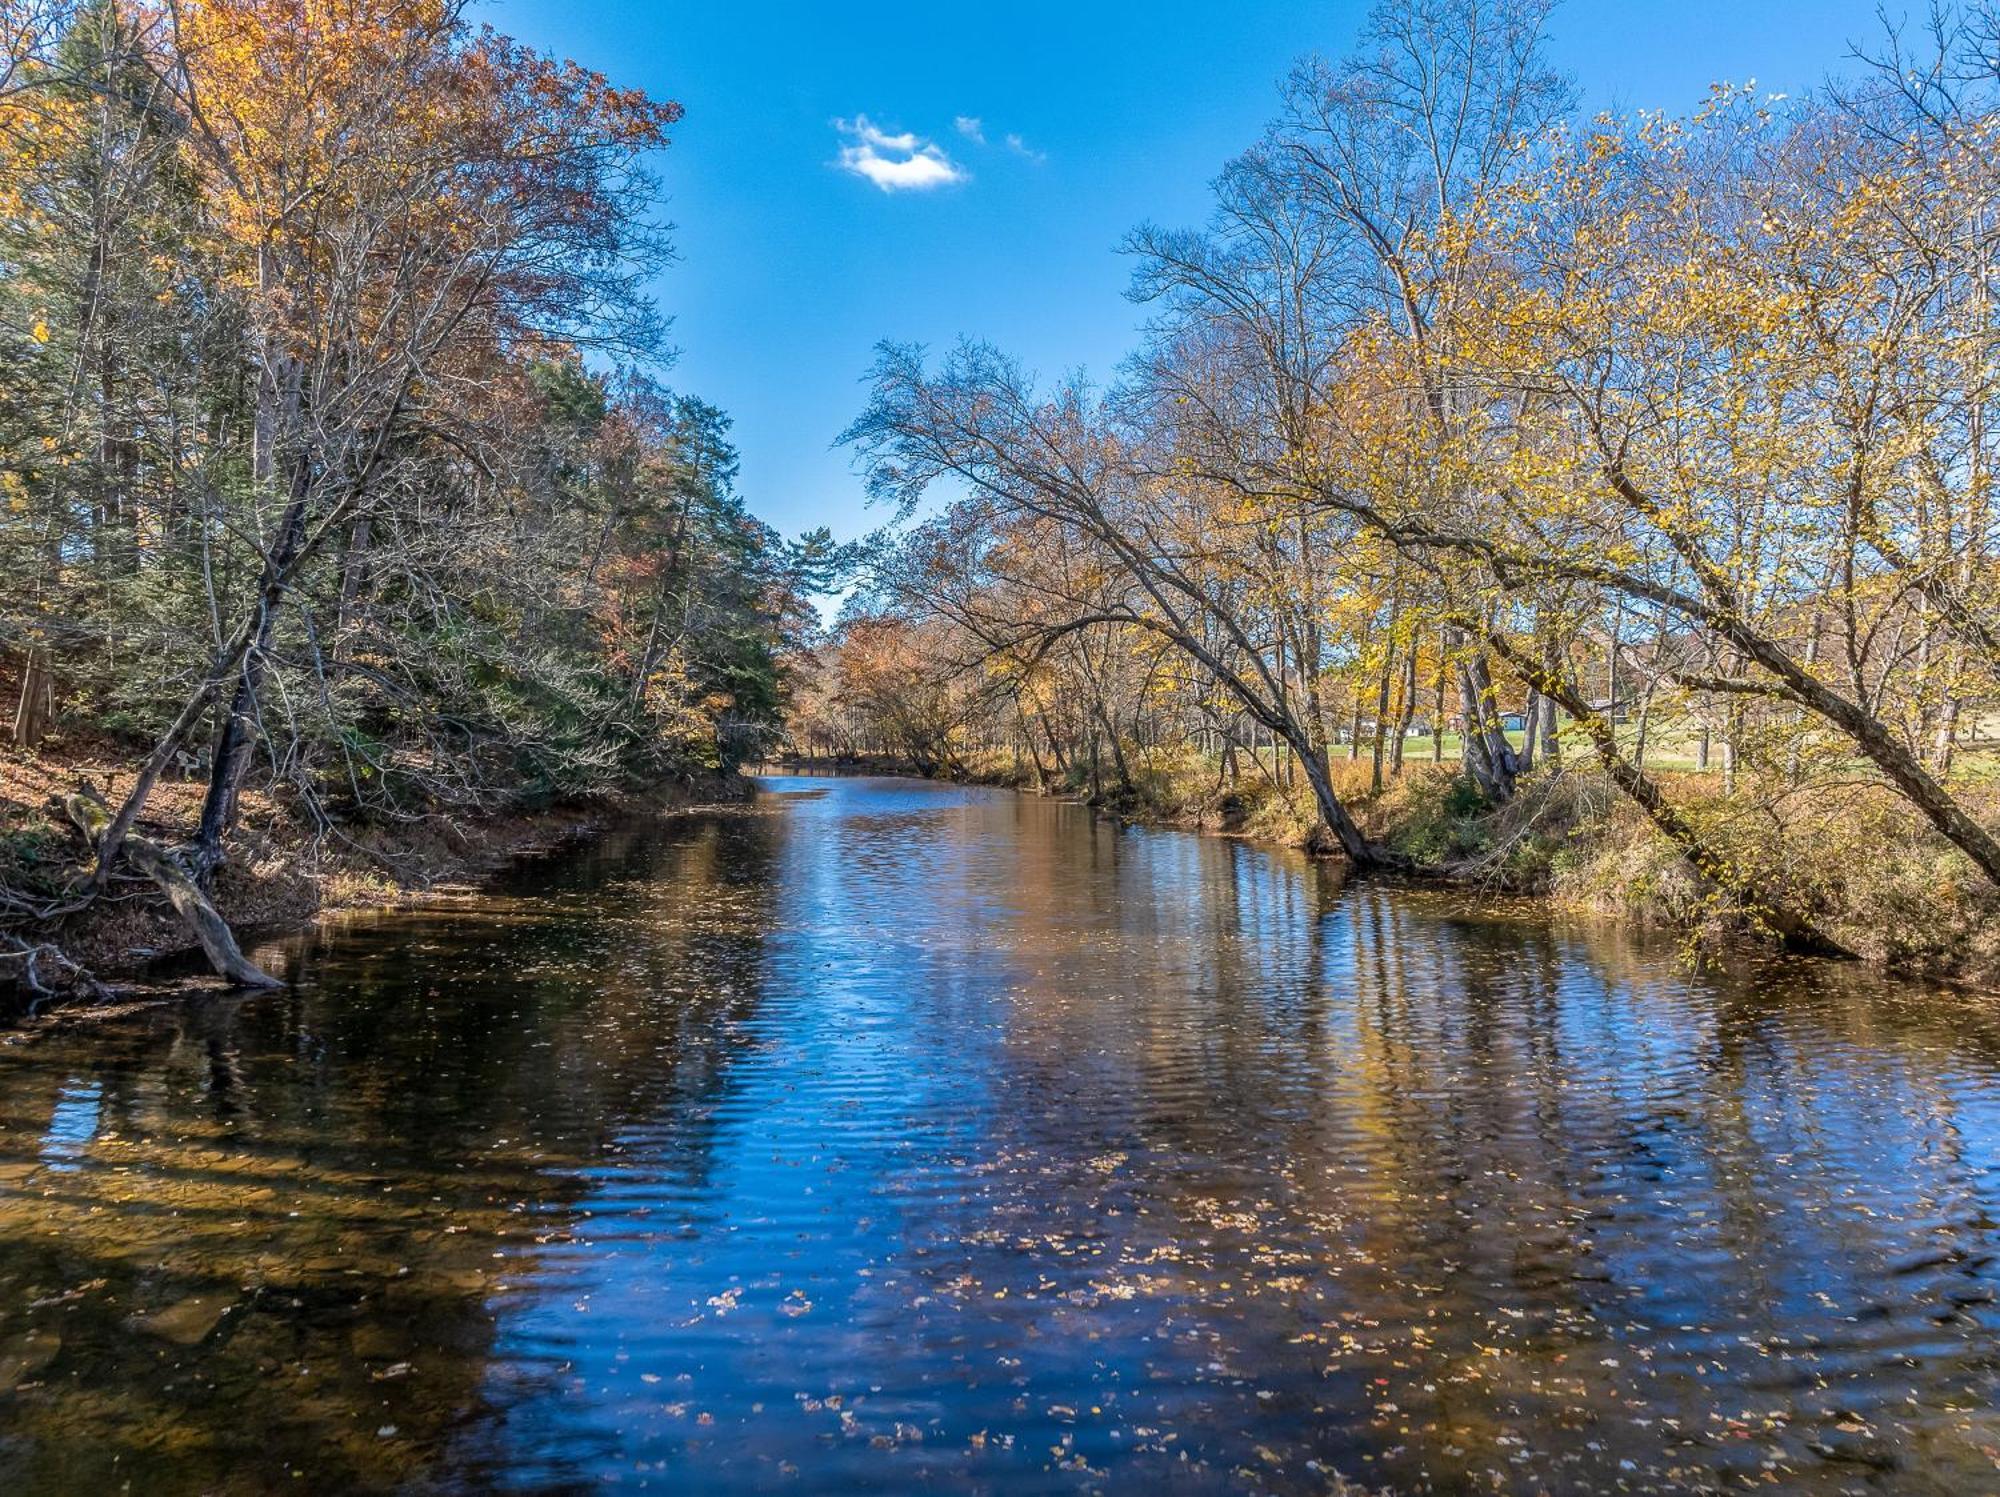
{"x":884,"y":1134}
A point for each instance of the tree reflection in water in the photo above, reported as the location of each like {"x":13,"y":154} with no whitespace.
{"x":882,"y":1134}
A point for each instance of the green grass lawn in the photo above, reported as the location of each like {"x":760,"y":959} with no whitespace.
{"x":1663,"y":751}
{"x":1669,"y":748}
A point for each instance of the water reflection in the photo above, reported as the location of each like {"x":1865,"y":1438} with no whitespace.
{"x":73,"y":1124}
{"x":881,"y":1135}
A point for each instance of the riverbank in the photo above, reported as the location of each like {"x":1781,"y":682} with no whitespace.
{"x":285,"y":872}
{"x":1874,"y":879}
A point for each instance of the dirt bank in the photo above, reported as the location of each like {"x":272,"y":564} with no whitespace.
{"x":285,"y":872}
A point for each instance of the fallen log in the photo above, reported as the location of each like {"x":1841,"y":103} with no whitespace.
{"x":63,"y":974}
{"x":90,"y":813}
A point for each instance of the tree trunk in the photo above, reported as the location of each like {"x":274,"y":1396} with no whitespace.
{"x":1488,"y":757}
{"x":1551,"y":725}
{"x":1437,"y":714}
{"x":1945,"y":744}
{"x":93,"y":817}
{"x":1645,"y":723}
{"x":1406,"y":710}
{"x":1110,"y":728}
{"x":1788,"y":925}
{"x":1499,"y":751}
{"x":354,"y":569}
{"x":230,"y":761}
{"x":1056,"y":749}
{"x":37,"y":704}
{"x":1381,"y":717}
{"x":1028,"y":737}
{"x":1334,"y":818}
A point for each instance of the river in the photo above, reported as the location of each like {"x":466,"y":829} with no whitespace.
{"x":883,"y":1135}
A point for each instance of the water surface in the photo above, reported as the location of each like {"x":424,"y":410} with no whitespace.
{"x":879,"y":1135}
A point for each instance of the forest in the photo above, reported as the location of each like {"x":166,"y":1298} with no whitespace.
{"x":338,"y":473}
{"x":1602,"y":504}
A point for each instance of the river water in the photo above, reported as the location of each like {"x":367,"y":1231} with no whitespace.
{"x":884,"y":1136}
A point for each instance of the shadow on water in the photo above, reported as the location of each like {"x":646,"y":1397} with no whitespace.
{"x":885,"y":1134}
{"x":258,"y":1237}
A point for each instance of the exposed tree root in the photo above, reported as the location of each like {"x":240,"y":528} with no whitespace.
{"x":164,"y":867}
{"x":45,"y":971}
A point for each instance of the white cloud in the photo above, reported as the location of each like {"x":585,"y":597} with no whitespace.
{"x":970,"y":126}
{"x":895,"y":163}
{"x":1021,"y":148}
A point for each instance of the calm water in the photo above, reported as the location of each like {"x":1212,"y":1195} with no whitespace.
{"x":885,"y":1136}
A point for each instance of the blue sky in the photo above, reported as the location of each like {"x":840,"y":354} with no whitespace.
{"x":795,"y":258}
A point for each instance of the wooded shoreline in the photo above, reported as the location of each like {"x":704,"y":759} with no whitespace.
{"x":345,"y":519}
{"x":291,"y":881}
